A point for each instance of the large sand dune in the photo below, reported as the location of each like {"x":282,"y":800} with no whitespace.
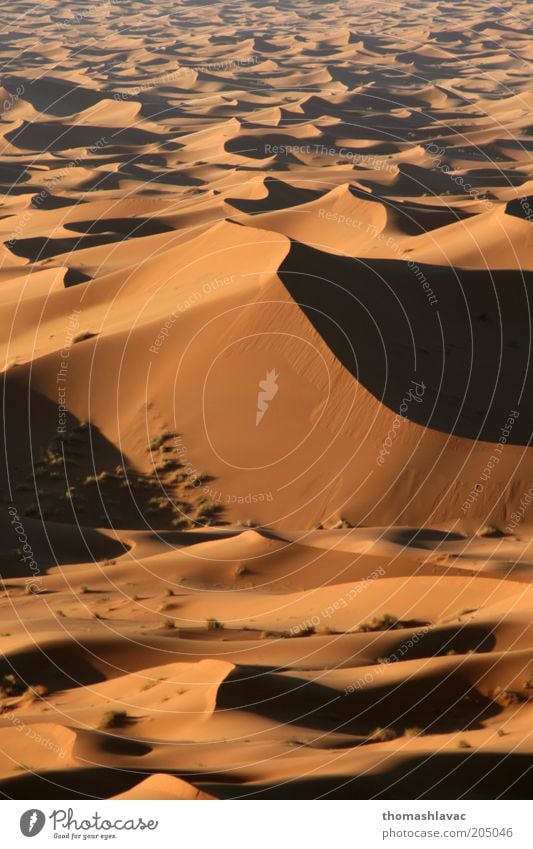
{"x":265,"y":282}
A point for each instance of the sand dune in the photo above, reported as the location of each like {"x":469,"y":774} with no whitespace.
{"x":265,"y":279}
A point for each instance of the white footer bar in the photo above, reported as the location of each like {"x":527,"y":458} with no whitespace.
{"x":256,"y":824}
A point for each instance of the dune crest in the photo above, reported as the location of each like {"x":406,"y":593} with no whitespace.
{"x":266,"y":277}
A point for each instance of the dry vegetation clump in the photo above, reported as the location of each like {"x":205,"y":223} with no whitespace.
{"x":385,"y":622}
{"x":11,"y":685}
{"x":507,"y":698}
{"x":83,"y":335}
{"x":167,"y":493}
{"x":114,"y":719}
{"x":490,"y":532}
{"x":382,"y":735}
{"x":413,"y":732}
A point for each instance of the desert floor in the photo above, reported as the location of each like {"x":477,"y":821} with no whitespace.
{"x":266,"y":286}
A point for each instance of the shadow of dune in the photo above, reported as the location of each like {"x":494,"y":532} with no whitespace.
{"x":446,"y":775}
{"x":441,"y":704}
{"x":67,"y":472}
{"x":468,"y":350}
{"x":96,"y":782}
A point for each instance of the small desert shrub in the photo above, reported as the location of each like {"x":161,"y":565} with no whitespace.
{"x":207,"y":510}
{"x":382,"y":735}
{"x":247,"y":523}
{"x":160,"y":502}
{"x":341,"y":524}
{"x":114,"y":719}
{"x":180,"y":523}
{"x":100,"y":478}
{"x":213,"y":624}
{"x":413,"y":732}
{"x":463,"y":744}
{"x":11,"y":685}
{"x":490,"y":532}
{"x":270,"y":635}
{"x":159,"y":440}
{"x":506,"y":698}
{"x":168,"y":464}
{"x":36,"y":691}
{"x":198,"y":478}
{"x":85,"y":334}
{"x":385,"y":622}
{"x":465,"y":611}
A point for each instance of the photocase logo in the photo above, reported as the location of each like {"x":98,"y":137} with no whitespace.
{"x":32,"y":822}
{"x":267,"y":390}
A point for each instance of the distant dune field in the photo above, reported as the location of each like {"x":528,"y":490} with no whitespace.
{"x":266,"y":276}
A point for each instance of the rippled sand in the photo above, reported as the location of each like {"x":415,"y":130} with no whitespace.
{"x":266,"y":275}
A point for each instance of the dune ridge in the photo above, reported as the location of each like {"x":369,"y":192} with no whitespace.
{"x":265,"y":279}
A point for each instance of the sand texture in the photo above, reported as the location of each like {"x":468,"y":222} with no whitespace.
{"x":266,"y":275}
